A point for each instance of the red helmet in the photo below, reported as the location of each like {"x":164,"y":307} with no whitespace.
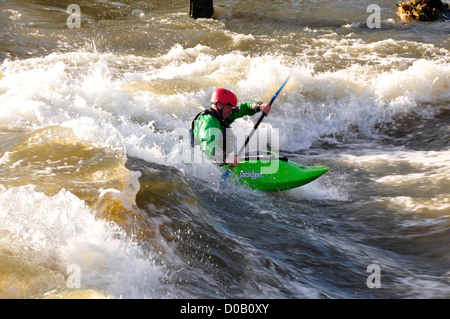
{"x":224,"y":96}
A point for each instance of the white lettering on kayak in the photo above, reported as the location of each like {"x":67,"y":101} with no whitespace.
{"x":251,"y":175}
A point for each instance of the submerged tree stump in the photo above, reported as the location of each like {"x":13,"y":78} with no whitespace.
{"x":422,"y":10}
{"x":201,"y":9}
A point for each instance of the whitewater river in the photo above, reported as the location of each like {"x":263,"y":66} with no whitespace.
{"x":96,"y":201}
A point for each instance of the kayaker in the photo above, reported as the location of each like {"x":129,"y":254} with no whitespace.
{"x":208,"y":126}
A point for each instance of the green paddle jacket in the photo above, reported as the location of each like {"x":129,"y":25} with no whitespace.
{"x":207,"y":128}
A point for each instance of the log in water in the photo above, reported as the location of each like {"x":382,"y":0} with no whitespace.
{"x":201,"y":9}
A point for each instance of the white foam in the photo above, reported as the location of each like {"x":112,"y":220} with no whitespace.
{"x":62,"y":230}
{"x":424,"y":81}
{"x":87,"y":92}
{"x":412,"y":181}
{"x":423,"y":286}
{"x":83,"y":91}
{"x":321,"y":189}
{"x":437,"y":206}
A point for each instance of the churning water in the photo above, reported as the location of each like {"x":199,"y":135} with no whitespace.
{"x":90,"y":176}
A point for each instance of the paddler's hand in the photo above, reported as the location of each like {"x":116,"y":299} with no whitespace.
{"x":263,"y":107}
{"x":232,"y":160}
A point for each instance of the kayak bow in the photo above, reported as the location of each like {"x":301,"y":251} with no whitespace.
{"x":267,"y":171}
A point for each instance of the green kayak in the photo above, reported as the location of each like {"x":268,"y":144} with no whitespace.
{"x":267,"y":171}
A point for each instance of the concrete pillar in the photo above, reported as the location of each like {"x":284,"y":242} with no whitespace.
{"x":201,"y":9}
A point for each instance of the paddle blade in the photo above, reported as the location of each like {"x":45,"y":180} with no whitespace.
{"x":225,"y":175}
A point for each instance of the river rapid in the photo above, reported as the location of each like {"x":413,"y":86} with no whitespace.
{"x":96,"y":201}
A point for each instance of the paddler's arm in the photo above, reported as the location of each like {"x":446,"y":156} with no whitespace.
{"x":244,"y":109}
{"x":249,"y":108}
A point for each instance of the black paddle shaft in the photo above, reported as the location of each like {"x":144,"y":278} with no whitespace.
{"x":228,"y":171}
{"x":255,"y":128}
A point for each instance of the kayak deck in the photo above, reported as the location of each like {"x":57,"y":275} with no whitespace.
{"x":267,"y":171}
